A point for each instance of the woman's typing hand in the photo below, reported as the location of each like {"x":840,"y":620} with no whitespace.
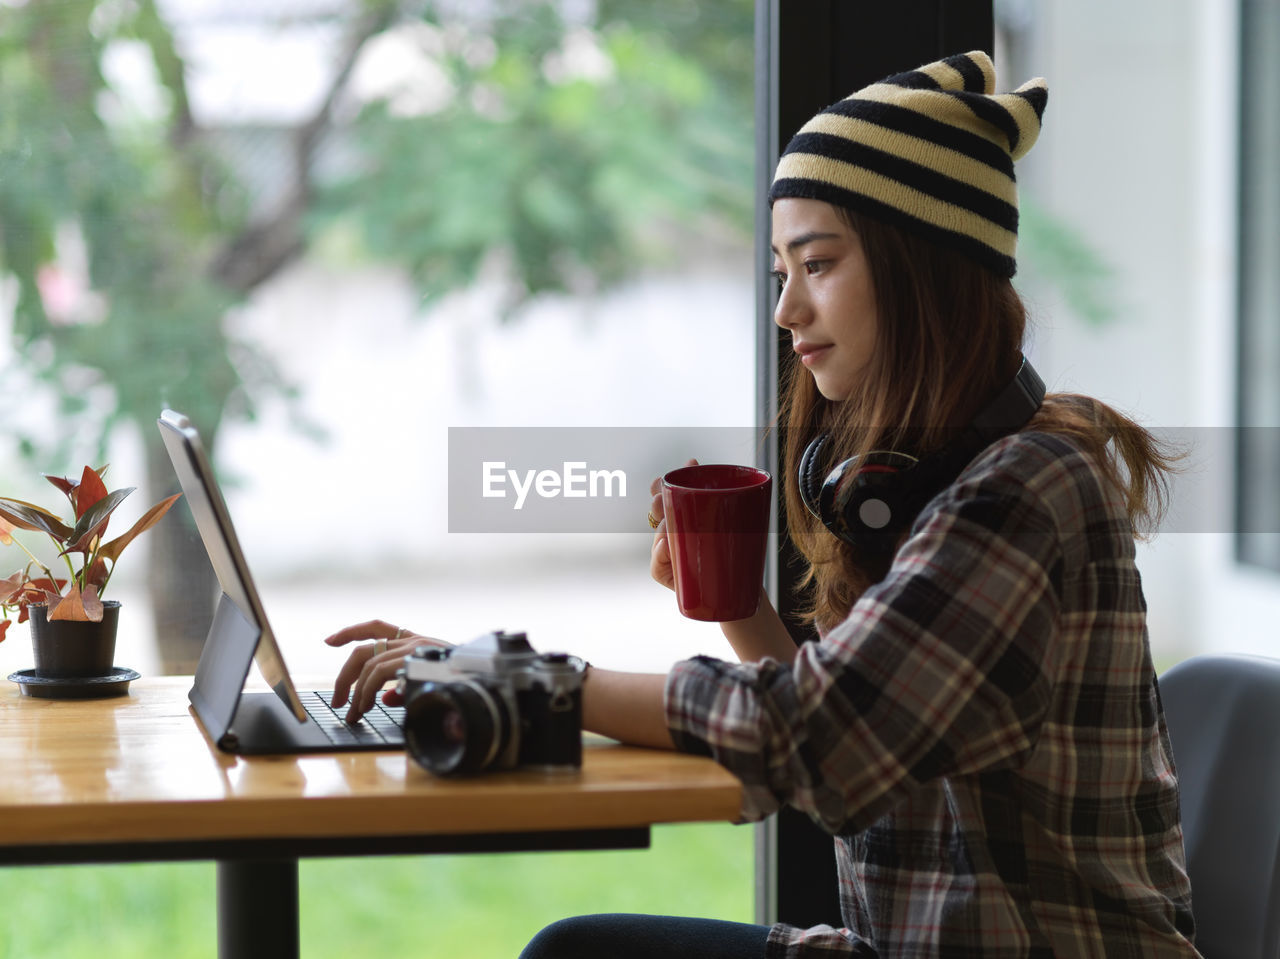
{"x":371,"y":665}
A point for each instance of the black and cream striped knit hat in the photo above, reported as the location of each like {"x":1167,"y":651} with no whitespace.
{"x":930,"y":150}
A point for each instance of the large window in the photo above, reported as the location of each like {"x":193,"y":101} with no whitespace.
{"x":330,"y":231}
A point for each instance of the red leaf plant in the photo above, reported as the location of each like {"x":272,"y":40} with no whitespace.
{"x":79,"y":595}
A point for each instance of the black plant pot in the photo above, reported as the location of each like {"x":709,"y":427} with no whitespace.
{"x":65,"y":649}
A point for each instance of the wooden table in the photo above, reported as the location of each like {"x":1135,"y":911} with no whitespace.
{"x":134,"y":778}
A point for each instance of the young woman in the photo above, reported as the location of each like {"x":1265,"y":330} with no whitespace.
{"x":979,"y":725}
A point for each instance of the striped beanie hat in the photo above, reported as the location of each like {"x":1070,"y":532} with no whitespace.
{"x":930,"y":150}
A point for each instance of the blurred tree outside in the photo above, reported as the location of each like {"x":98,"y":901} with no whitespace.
{"x":551,"y":141}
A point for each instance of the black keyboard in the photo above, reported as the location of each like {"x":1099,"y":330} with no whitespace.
{"x":381,"y":725}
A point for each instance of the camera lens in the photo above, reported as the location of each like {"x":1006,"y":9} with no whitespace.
{"x":453,"y":727}
{"x":456,"y":728}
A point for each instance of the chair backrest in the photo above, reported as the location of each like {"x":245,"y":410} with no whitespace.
{"x":1223,"y":713}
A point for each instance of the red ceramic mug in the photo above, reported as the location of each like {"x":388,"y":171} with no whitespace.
{"x":718,"y":529}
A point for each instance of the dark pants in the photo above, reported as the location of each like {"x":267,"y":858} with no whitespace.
{"x":628,"y":936}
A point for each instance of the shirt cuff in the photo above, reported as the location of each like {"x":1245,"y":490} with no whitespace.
{"x":713,"y":708}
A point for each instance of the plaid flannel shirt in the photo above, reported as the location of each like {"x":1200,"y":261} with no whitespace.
{"x":982,"y":735}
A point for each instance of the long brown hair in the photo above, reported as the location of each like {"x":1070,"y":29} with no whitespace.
{"x":949,"y":335}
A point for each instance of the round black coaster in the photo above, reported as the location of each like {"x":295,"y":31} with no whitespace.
{"x":114,"y":683}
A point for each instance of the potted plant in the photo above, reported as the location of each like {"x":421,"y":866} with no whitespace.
{"x":72,"y":628}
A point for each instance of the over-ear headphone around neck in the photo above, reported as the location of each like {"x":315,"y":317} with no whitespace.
{"x":869,"y":501}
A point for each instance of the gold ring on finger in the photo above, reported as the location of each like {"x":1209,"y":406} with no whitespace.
{"x":653,"y":521}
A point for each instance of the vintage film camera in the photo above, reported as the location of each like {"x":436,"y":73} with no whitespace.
{"x":492,"y":703}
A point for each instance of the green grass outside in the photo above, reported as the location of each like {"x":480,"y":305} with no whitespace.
{"x":471,"y":906}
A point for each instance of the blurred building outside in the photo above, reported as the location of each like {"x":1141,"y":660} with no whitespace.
{"x":1139,"y":152}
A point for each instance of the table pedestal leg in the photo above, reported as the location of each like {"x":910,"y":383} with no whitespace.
{"x":258,"y":909}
